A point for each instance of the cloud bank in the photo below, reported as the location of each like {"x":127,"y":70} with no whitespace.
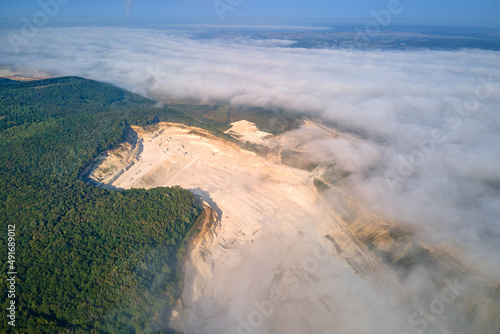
{"x":431,"y":116}
{"x":428,"y":121}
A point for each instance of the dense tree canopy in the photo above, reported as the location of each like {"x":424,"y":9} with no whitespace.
{"x":88,"y":259}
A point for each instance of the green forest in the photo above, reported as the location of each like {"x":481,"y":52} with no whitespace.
{"x":89,"y":260}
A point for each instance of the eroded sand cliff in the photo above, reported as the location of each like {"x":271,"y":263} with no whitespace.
{"x":273,"y":256}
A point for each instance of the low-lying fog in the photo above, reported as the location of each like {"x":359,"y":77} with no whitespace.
{"x":429,"y":120}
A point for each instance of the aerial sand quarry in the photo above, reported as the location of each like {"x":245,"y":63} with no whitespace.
{"x":277,"y":258}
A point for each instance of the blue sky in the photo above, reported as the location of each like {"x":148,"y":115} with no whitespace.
{"x":443,"y":12}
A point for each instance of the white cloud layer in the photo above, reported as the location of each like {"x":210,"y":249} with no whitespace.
{"x":430,"y":119}
{"x":406,"y":100}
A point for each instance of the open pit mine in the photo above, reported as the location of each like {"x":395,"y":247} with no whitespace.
{"x":274,"y":254}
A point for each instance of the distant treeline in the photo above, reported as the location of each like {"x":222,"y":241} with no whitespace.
{"x":89,"y":260}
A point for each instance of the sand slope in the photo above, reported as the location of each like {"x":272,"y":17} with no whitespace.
{"x":279,"y":259}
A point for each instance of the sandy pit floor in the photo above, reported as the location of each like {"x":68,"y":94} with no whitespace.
{"x":269,"y":266}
